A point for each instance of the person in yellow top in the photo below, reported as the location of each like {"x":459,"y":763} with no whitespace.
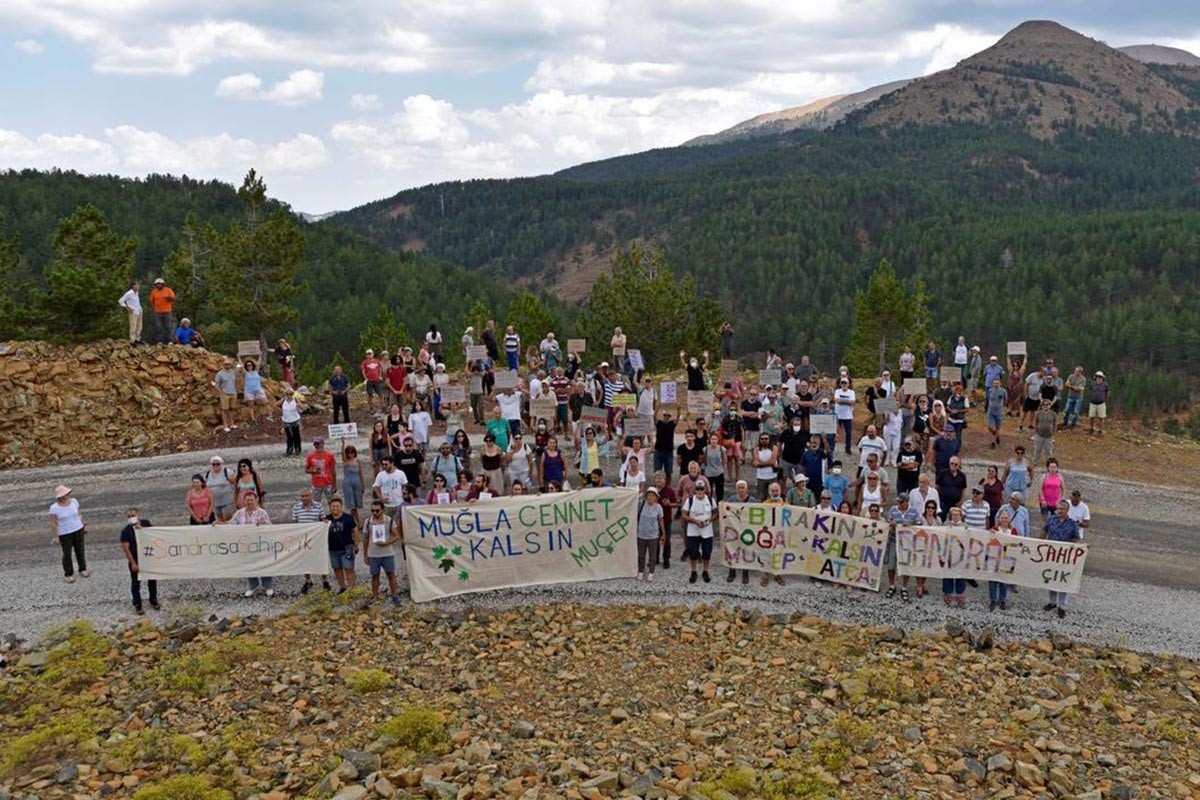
{"x":162,"y":303}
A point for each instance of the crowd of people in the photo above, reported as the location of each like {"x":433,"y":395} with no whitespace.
{"x":544,"y":421}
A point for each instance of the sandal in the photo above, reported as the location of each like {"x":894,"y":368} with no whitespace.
{"x":904,"y":594}
{"x":890,"y":593}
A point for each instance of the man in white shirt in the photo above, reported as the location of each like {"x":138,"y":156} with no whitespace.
{"x":844,"y":399}
{"x":924,"y":492}
{"x":510,"y":408}
{"x":961,"y":353}
{"x":132,"y":303}
{"x":389,"y":486}
{"x":536,"y":383}
{"x":697,"y":513}
{"x":1079,"y":511}
{"x":871,"y":443}
{"x":645,"y":399}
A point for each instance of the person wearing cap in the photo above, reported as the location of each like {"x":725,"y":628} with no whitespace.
{"x":162,"y":303}
{"x":800,"y":494}
{"x":650,"y":530}
{"x":976,"y":510}
{"x":844,"y":399}
{"x":321,"y":466}
{"x":68,"y":529}
{"x":902,"y":513}
{"x":372,"y":373}
{"x":129,"y":548}
{"x":225,"y":382}
{"x":1097,"y":404}
{"x":698,"y":513}
{"x":993,"y":371}
{"x":131,"y":301}
{"x":221,"y":482}
{"x":186,"y":335}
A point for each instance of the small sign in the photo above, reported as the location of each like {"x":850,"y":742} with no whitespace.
{"x":699,"y":403}
{"x":821,"y":424}
{"x":914,"y":386}
{"x":618,"y":349}
{"x":506,"y":379}
{"x":635,"y":360}
{"x":950,"y":374}
{"x":593,"y":414}
{"x":454,"y":393}
{"x":769,"y":377}
{"x":885,"y":405}
{"x":343,"y":430}
{"x":543,"y":408}
{"x":443,"y":498}
{"x":729,"y":368}
{"x":576,"y":345}
{"x":624,"y":400}
{"x":477,"y":352}
{"x":667,"y":392}
{"x":1017,"y":349}
{"x":250,"y":347}
{"x":639,"y":426}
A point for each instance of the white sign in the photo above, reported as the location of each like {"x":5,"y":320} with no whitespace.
{"x":456,"y":394}
{"x":699,"y":403}
{"x":506,"y":379}
{"x":232,"y":551}
{"x":768,"y":377}
{"x":950,"y":374}
{"x":885,"y":405}
{"x":914,"y":386}
{"x":1017,"y":349}
{"x":568,"y":537}
{"x":667,"y":392}
{"x":343,"y":430}
{"x":635,"y":360}
{"x":942,"y":552}
{"x":822,"y":423}
{"x":477,"y":352}
{"x":576,"y":345}
{"x":638,"y":426}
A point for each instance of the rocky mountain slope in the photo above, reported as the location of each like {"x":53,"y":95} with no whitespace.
{"x":828,"y":111}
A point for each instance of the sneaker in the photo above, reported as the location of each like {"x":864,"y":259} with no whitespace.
{"x":139,"y":611}
{"x":396,"y":601}
{"x":325,"y":586}
{"x":70,"y":578}
{"x":731,"y":576}
{"x":1003,"y":606}
{"x":154,"y":605}
{"x":779,"y":579}
{"x":87,"y":573}
{"x":960,"y":600}
{"x":707,"y":579}
{"x":1049,"y":606}
{"x":649,"y":576}
{"x":992,"y":606}
{"x":766,"y":579}
{"x":745,"y":577}
{"x":641,"y":576}
{"x":666,"y":564}
{"x":270,"y":592}
{"x":946,"y":599}
{"x":227,"y":430}
{"x":341,"y":590}
{"x":904,"y":594}
{"x":692,"y":579}
{"x":248,"y":593}
{"x":1062,"y":612}
{"x":307,"y":585}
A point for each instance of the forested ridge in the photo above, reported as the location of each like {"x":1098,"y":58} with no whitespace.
{"x":1086,"y":245}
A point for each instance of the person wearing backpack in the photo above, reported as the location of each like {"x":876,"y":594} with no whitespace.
{"x":698,"y":513}
{"x":446,"y":463}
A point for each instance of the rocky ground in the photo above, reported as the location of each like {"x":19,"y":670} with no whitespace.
{"x":362,"y":701}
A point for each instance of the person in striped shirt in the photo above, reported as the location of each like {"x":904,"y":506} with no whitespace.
{"x":512,"y":347}
{"x":976,"y":510}
{"x":305,"y":510}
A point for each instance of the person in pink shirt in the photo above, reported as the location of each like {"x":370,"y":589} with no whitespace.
{"x":1052,"y":489}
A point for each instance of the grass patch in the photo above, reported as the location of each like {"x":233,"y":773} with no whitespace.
{"x":62,"y":736}
{"x":743,"y":783}
{"x":1165,"y":729}
{"x":418,"y":730}
{"x":182,"y":787}
{"x":158,"y":747}
{"x":194,"y":673}
{"x":366,"y":681}
{"x":242,"y":738}
{"x":78,"y":658}
{"x":833,"y":754}
{"x":325,"y":602}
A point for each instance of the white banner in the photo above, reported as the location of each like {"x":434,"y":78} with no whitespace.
{"x":233,"y":551}
{"x":566,"y":537}
{"x":941,"y":552}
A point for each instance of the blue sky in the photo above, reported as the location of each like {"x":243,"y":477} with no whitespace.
{"x":342,"y":103}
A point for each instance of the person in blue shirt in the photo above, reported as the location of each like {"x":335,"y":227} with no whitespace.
{"x":933,"y":360}
{"x":1060,"y":528}
{"x":836,"y":484}
{"x":812,"y":462}
{"x":339,"y":389}
{"x":185,"y":334}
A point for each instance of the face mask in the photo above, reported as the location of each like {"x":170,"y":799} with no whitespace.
{"x":694,"y":363}
{"x":131,"y":519}
{"x":796,"y":428}
{"x":837,"y":470}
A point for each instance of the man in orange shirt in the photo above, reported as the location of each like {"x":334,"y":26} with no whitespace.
{"x":162,"y":303}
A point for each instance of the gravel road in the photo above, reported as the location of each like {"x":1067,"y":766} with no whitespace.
{"x":1142,"y":588}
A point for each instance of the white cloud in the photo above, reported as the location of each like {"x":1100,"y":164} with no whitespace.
{"x":300,"y":87}
{"x":944,"y":45}
{"x":30,"y":46}
{"x":50,"y":150}
{"x":365,"y":102}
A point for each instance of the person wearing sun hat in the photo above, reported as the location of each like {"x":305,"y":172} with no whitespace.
{"x":1098,"y":405}
{"x":68,"y":529}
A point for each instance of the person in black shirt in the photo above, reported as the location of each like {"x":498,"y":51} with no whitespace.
{"x":664,"y":443}
{"x":908,"y":468}
{"x":951,"y":483}
{"x":689,"y":451}
{"x":409,"y":460}
{"x":793,"y":441}
{"x":695,"y":371}
{"x":129,"y":546}
{"x":751,"y":413}
{"x":343,"y":544}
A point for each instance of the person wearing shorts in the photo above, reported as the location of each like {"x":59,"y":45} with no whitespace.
{"x":225,"y":383}
{"x":343,"y":544}
{"x":1098,"y":404}
{"x":382,"y":534}
{"x":697,"y":513}
{"x":252,"y":390}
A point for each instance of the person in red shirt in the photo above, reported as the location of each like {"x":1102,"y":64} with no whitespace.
{"x":372,"y":372}
{"x":322,"y":466}
{"x":397,"y":377}
{"x":669,"y":501}
{"x":162,"y":303}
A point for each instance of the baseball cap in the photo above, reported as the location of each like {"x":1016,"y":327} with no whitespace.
{"x":976,"y":490}
{"x":370,"y":352}
{"x":319,"y":440}
{"x":1076,"y":493}
{"x":652,"y":491}
{"x":157,"y":281}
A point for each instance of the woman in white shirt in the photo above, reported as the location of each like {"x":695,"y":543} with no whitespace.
{"x":633,"y":476}
{"x":68,"y":529}
{"x":289,"y":413}
{"x":871,"y":492}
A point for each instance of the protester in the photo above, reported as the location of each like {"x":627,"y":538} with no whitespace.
{"x":162,"y":303}
{"x":1076,"y":384}
{"x":993,"y":493}
{"x":695,"y":371}
{"x":252,"y":390}
{"x":836,"y":484}
{"x":221,"y":482}
{"x":924,"y":494}
{"x":901,"y":514}
{"x":1044,"y":423}
{"x":132,"y":303}
{"x":800,"y":494}
{"x":650,"y":530}
{"x":998,"y":590}
{"x":372,"y":373}
{"x":954,"y":589}
{"x":342,"y":540}
{"x":1060,"y":528}
{"x":844,"y":399}
{"x":741,"y":494}
{"x":248,"y":481}
{"x":225,"y":383}
{"x":951,"y":484}
{"x":698,"y":512}
{"x":512,"y":347}
{"x":200,"y":502}
{"x":251,"y":514}
{"x":289,"y":415}
{"x":1079,"y":511}
{"x":933,"y":361}
{"x":1018,"y":473}
{"x":766,"y":464}
{"x":382,"y":534}
{"x":69,"y":530}
{"x":994,"y":403}
{"x":129,"y":548}
{"x":1098,"y":405}
{"x":352,"y":482}
{"x":304,"y":510}
{"x":339,"y":393}
{"x":1052,"y":489}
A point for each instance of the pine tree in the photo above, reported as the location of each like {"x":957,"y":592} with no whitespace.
{"x":384,"y":332}
{"x":254,"y":285}
{"x":883,"y":313}
{"x":92,"y":267}
{"x":11,"y":318}
{"x":188,"y":269}
{"x":529,"y":315}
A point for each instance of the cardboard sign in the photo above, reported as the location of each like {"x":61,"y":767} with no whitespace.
{"x":477,"y":352}
{"x":618,"y":350}
{"x":729,"y":367}
{"x":454,"y":393}
{"x":576,"y":345}
{"x":506,"y":379}
{"x":1017,"y":349}
{"x":585,"y":535}
{"x":639,"y":426}
{"x":822,"y":424}
{"x":624,"y":400}
{"x":249,"y":347}
{"x":635,"y":360}
{"x":543,"y":408}
{"x":593,"y":414}
{"x":769,"y":377}
{"x":793,"y":540}
{"x":915,"y":386}
{"x":699,"y":403}
{"x":344,"y":430}
{"x":885,"y":405}
{"x":950,"y":375}
{"x":667,"y":392}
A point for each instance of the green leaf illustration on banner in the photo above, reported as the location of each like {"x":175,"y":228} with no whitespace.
{"x":457,"y":550}
{"x":446,"y":565}
{"x":463,"y":575}
{"x":439,"y":552}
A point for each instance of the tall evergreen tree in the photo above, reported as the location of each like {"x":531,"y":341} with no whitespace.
{"x":529,"y":315}
{"x":188,"y":269}
{"x":91,"y":268}
{"x":383,"y":333}
{"x":11,"y":319}
{"x":882,"y":314}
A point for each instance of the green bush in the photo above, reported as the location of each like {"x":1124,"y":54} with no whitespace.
{"x":49,"y":742}
{"x":418,"y":729}
{"x":369,"y":680}
{"x":78,"y":658}
{"x":158,"y":747}
{"x":182,"y":787}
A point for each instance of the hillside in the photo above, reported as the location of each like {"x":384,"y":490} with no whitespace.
{"x":351,"y":701}
{"x":1043,"y":78}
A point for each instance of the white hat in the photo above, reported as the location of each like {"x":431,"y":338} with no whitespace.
{"x":1099,"y":374}
{"x":61,"y":491}
{"x":370,"y":352}
{"x":216,"y":460}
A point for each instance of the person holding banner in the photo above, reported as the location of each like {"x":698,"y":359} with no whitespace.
{"x":129,"y":547}
{"x":902,"y":513}
{"x":251,"y":514}
{"x":382,"y":535}
{"x":698,"y":513}
{"x":1060,"y":528}
{"x":741,"y":494}
{"x":954,"y":589}
{"x":998,"y":590}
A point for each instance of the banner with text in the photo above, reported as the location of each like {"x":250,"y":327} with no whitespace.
{"x":940,"y":552}
{"x":232,"y":551}
{"x":567,"y":537}
{"x":793,"y":540}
